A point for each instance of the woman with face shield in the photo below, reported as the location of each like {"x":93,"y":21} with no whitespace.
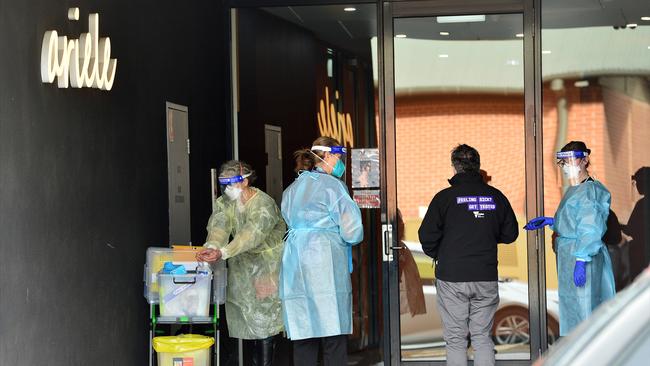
{"x":585,"y":273}
{"x":315,"y":287}
{"x":252,"y":219}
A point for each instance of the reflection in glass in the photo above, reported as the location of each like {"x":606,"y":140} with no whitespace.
{"x":596,"y":74}
{"x":461,"y":82}
{"x":307,"y":71}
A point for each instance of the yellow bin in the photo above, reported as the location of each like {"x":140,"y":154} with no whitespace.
{"x":183,"y":350}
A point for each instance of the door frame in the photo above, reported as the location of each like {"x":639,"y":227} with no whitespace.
{"x":531,"y":10}
{"x":386,"y":11}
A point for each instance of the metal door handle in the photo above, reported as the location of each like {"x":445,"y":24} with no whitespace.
{"x":387,"y":231}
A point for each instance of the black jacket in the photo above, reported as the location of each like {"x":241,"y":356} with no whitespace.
{"x":462,"y":227}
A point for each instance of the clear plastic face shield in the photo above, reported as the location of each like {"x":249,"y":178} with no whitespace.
{"x":231,"y":186}
{"x":338,"y":167}
{"x":572,"y":165}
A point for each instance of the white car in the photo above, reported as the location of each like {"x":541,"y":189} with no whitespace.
{"x":511,"y":322}
{"x":617,"y":333}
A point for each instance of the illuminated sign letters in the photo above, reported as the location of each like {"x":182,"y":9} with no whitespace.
{"x":335,"y":124}
{"x":83,"y":62}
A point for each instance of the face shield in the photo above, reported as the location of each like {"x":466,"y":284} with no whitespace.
{"x":338,"y":169}
{"x":230,"y":185}
{"x":571,"y":165}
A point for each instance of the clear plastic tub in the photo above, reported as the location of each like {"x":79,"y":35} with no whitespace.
{"x":184,"y":295}
{"x":156,"y":258}
{"x":219,"y":281}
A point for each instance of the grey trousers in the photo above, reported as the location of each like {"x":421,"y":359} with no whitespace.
{"x":468,"y":308}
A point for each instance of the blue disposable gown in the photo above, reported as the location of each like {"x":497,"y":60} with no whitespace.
{"x":580,"y":223}
{"x":315,"y":288}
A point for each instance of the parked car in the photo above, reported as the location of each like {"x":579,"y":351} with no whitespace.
{"x":511,"y":321}
{"x":617,"y":333}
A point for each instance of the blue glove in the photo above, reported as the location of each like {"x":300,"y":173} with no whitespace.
{"x":539,"y":222}
{"x":580,"y":273}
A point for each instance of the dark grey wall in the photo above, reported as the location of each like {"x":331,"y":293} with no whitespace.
{"x":279,"y":65}
{"x":83,"y":179}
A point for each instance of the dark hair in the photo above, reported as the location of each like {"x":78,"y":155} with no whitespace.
{"x":306,"y":159}
{"x":237,"y":167}
{"x":465,"y":159}
{"x":577,"y":146}
{"x":642,"y":178}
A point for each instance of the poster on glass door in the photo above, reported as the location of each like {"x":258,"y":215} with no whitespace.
{"x":368,"y":198}
{"x":365,"y":168}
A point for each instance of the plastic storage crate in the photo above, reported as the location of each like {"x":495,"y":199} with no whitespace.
{"x":156,"y":258}
{"x":184,"y":295}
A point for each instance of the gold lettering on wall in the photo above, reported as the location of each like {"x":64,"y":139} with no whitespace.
{"x":335,"y":124}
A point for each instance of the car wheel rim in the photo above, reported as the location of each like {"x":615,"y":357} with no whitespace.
{"x":513,"y":329}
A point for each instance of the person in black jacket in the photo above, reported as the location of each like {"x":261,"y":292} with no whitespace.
{"x":638,"y":227}
{"x":460,"y":231}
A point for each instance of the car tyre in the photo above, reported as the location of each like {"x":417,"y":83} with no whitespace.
{"x":512,"y":326}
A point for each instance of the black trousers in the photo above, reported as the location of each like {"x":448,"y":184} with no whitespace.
{"x":335,"y":351}
{"x":263,"y":350}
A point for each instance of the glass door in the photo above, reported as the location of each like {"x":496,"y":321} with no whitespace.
{"x":456,"y":76}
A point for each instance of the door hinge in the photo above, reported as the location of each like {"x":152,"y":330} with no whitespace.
{"x":188,"y":146}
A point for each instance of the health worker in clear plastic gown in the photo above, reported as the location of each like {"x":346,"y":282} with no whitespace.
{"x":584,"y":267}
{"x":315,"y":287}
{"x":253,"y":220}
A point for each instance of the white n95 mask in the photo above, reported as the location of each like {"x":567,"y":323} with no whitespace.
{"x":233,"y":192}
{"x":571,"y":171}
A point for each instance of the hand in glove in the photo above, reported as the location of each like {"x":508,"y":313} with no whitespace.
{"x":539,"y":222}
{"x":580,"y":273}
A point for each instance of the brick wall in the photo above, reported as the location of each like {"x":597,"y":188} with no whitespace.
{"x":428,"y":128}
{"x":615,"y":127}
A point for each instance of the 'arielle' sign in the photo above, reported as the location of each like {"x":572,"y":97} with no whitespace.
{"x":83,"y":62}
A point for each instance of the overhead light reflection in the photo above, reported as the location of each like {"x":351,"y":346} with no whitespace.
{"x":444,"y":33}
{"x":400,"y":36}
{"x":461,"y":19}
{"x":443,"y":55}
{"x":519,"y":35}
{"x":546,"y":52}
{"x":350,"y":9}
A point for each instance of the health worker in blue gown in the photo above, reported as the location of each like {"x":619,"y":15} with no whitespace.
{"x":585,"y":274}
{"x":315,"y":286}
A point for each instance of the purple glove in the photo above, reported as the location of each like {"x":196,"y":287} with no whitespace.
{"x":580,"y":273}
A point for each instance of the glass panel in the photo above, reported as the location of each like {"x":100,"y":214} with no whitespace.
{"x":307,"y":71}
{"x":460,"y":80}
{"x":596,"y":74}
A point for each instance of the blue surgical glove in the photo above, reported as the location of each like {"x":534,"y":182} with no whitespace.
{"x":580,"y":273}
{"x":539,"y":222}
